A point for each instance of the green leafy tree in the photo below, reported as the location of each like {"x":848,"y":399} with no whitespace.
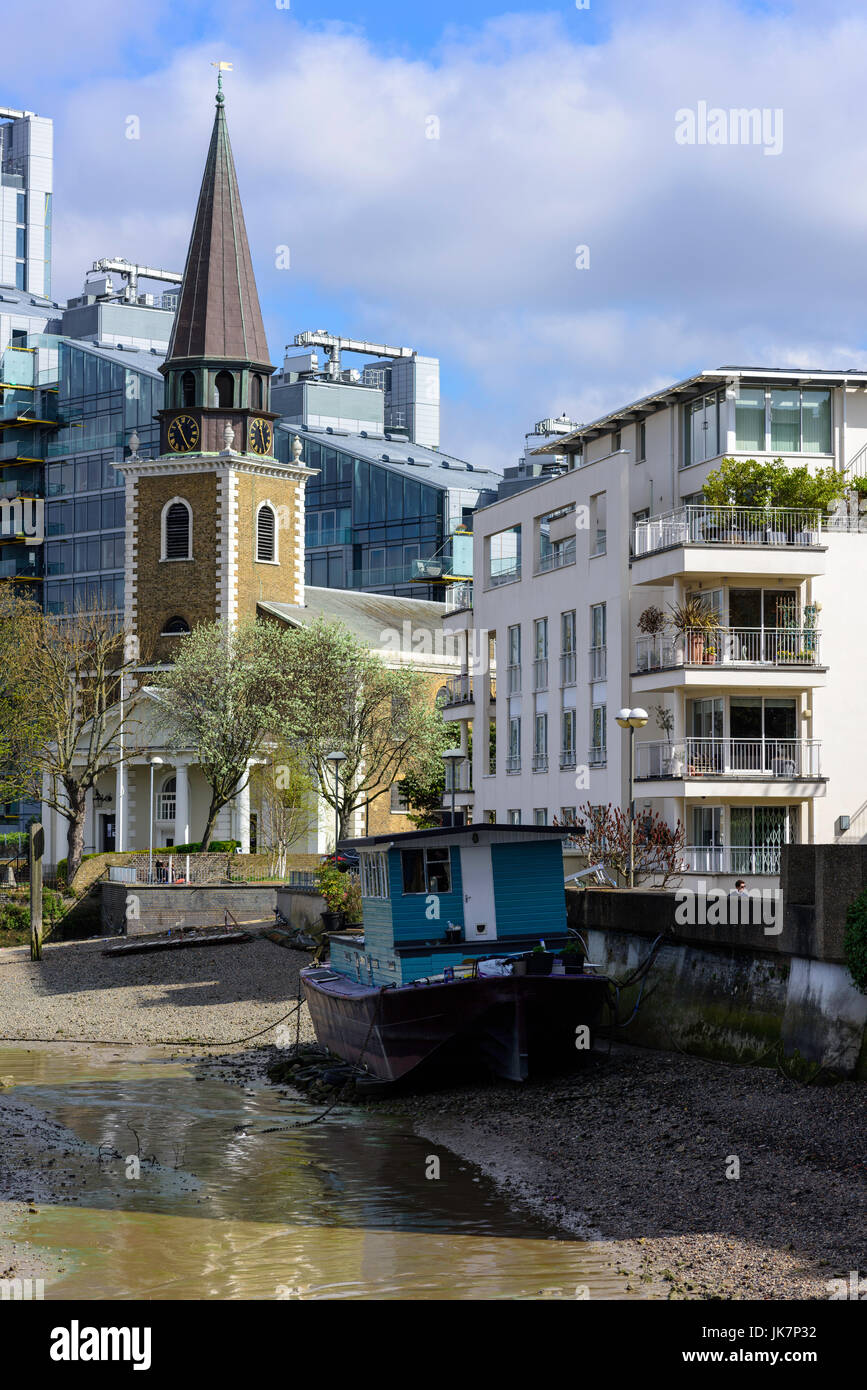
{"x":340,"y":696}
{"x":222,"y":699}
{"x":855,"y":941}
{"x":424,"y":784}
{"x":748,"y":483}
{"x":287,"y":798}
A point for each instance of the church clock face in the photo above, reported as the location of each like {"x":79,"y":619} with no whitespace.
{"x":183,"y":434}
{"x":261,"y":436}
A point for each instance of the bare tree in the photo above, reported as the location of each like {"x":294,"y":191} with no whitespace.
{"x":603,"y":835}
{"x":288,"y":802}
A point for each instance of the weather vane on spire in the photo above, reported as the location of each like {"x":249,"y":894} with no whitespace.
{"x":221,"y":68}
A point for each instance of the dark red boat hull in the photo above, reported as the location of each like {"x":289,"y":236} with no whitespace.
{"x":516,"y":1024}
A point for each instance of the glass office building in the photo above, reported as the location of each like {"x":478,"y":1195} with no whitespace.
{"x":381,"y":513}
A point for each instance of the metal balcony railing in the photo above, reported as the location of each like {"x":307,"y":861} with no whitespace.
{"x":597,"y":756}
{"x":460,"y":691}
{"x":706,"y":525}
{"x":732,"y":859}
{"x":540,"y":762}
{"x":729,"y":646}
{"x":513,"y":762}
{"x":598,"y":663}
{"x":567,"y":668}
{"x":568,"y":757}
{"x":764,"y":758}
{"x":540,"y":673}
{"x":513,"y":680}
{"x":560,"y":555}
{"x":504,"y":576}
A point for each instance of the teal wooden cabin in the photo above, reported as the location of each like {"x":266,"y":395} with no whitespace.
{"x":437,"y":898}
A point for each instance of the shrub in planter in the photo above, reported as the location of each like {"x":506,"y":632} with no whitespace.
{"x":855,"y":941}
{"x":539,"y":961}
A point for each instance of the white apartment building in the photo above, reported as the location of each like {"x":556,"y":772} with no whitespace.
{"x":756,"y":735}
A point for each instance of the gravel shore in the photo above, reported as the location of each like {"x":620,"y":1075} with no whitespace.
{"x":634,"y":1149}
{"x":209,"y":995}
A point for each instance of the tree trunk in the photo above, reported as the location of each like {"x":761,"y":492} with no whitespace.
{"x":75,"y":833}
{"x":213,"y":812}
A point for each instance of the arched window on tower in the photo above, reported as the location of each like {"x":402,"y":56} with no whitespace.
{"x":177,"y":530}
{"x":224,"y":385}
{"x":188,"y":388}
{"x":266,"y":534}
{"x":176,"y":627}
{"x":256,"y":392}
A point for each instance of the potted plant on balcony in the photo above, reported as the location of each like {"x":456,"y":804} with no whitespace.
{"x":694,"y":622}
{"x":651,"y":623}
{"x":672,"y":764}
{"x":539,"y":961}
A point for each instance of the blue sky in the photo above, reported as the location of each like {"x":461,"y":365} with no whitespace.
{"x":556,"y":129}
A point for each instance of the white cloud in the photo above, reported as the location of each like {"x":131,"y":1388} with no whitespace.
{"x":465,"y":246}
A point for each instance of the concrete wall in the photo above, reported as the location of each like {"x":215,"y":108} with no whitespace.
{"x":141,"y":909}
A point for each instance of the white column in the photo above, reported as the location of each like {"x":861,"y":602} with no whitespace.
{"x":121,"y":802}
{"x":242,"y":804}
{"x":182,"y":804}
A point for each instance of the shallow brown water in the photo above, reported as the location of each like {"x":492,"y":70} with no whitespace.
{"x":341,"y":1209}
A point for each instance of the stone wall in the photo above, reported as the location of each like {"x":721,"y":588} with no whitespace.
{"x":138,"y":909}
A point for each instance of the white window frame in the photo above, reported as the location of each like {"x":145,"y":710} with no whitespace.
{"x":164,"y":516}
{"x":374,"y":874}
{"x":266,"y":502}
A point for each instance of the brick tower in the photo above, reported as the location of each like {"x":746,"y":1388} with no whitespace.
{"x":215,"y":523}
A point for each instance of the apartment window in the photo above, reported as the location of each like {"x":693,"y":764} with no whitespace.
{"x":540,"y":743}
{"x":597,"y":735}
{"x":557,"y":539}
{"x":490,"y":818}
{"x":492,"y":747}
{"x":598,"y":649}
{"x":782,"y":421}
{"x":640,"y":441}
{"x":567,"y":815}
{"x":514,"y":671}
{"x":540,"y":815}
{"x":567,"y":738}
{"x":598,"y":524}
{"x":514,"y":816}
{"x":374,"y":875}
{"x":426,"y":870}
{"x":504,"y":556}
{"x":540,"y":654}
{"x":704,"y":430}
{"x":513,"y":762}
{"x":616,"y":441}
{"x":567,"y":648}
{"x":398,"y":804}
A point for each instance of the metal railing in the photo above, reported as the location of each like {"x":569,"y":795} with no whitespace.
{"x":513,"y":680}
{"x":513,"y":762}
{"x":459,"y":595}
{"x":459,"y":777}
{"x":540,"y":762}
{"x":460,"y":691}
{"x":729,"y":646}
{"x":598,"y":663}
{"x":506,"y":576}
{"x":540,"y":673}
{"x":568,"y":757}
{"x":567,"y":668}
{"x":597,"y":756}
{"x":783,"y":758}
{"x":732,"y":859}
{"x":557,"y":557}
{"x":706,"y":525}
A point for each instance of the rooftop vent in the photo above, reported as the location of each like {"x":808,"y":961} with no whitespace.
{"x":385,"y":457}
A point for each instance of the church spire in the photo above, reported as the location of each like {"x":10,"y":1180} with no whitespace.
{"x":218,"y":314}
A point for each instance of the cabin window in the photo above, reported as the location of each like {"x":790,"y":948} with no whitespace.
{"x":426,"y":870}
{"x":374,"y":875}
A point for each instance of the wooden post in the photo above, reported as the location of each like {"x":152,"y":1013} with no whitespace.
{"x":36,"y":851}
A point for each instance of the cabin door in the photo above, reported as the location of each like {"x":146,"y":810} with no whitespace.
{"x":480,"y":923}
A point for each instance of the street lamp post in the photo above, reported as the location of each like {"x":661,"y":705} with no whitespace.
{"x":154,"y":762}
{"x":336,"y":758}
{"x":632,"y":719}
{"x":451,"y":757}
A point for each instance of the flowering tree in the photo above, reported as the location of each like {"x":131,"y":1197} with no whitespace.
{"x":603,"y":835}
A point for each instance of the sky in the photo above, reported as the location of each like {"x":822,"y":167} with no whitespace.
{"x":433,"y":171}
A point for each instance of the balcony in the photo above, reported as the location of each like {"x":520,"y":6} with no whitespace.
{"x":540,"y":762}
{"x":540,"y":673}
{"x":557,"y":557}
{"x":729,"y":646}
{"x":705,"y":525}
{"x":459,"y":595}
{"x":764,"y":759}
{"x":568,"y":757}
{"x":598,"y":663}
{"x":511,"y":575}
{"x":460,"y":691}
{"x":459,"y":777}
{"x":732,"y":859}
{"x":567,"y":668}
{"x":513,"y":762}
{"x":597,"y":756}
{"x":513,"y":680}
{"x":18,"y":569}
